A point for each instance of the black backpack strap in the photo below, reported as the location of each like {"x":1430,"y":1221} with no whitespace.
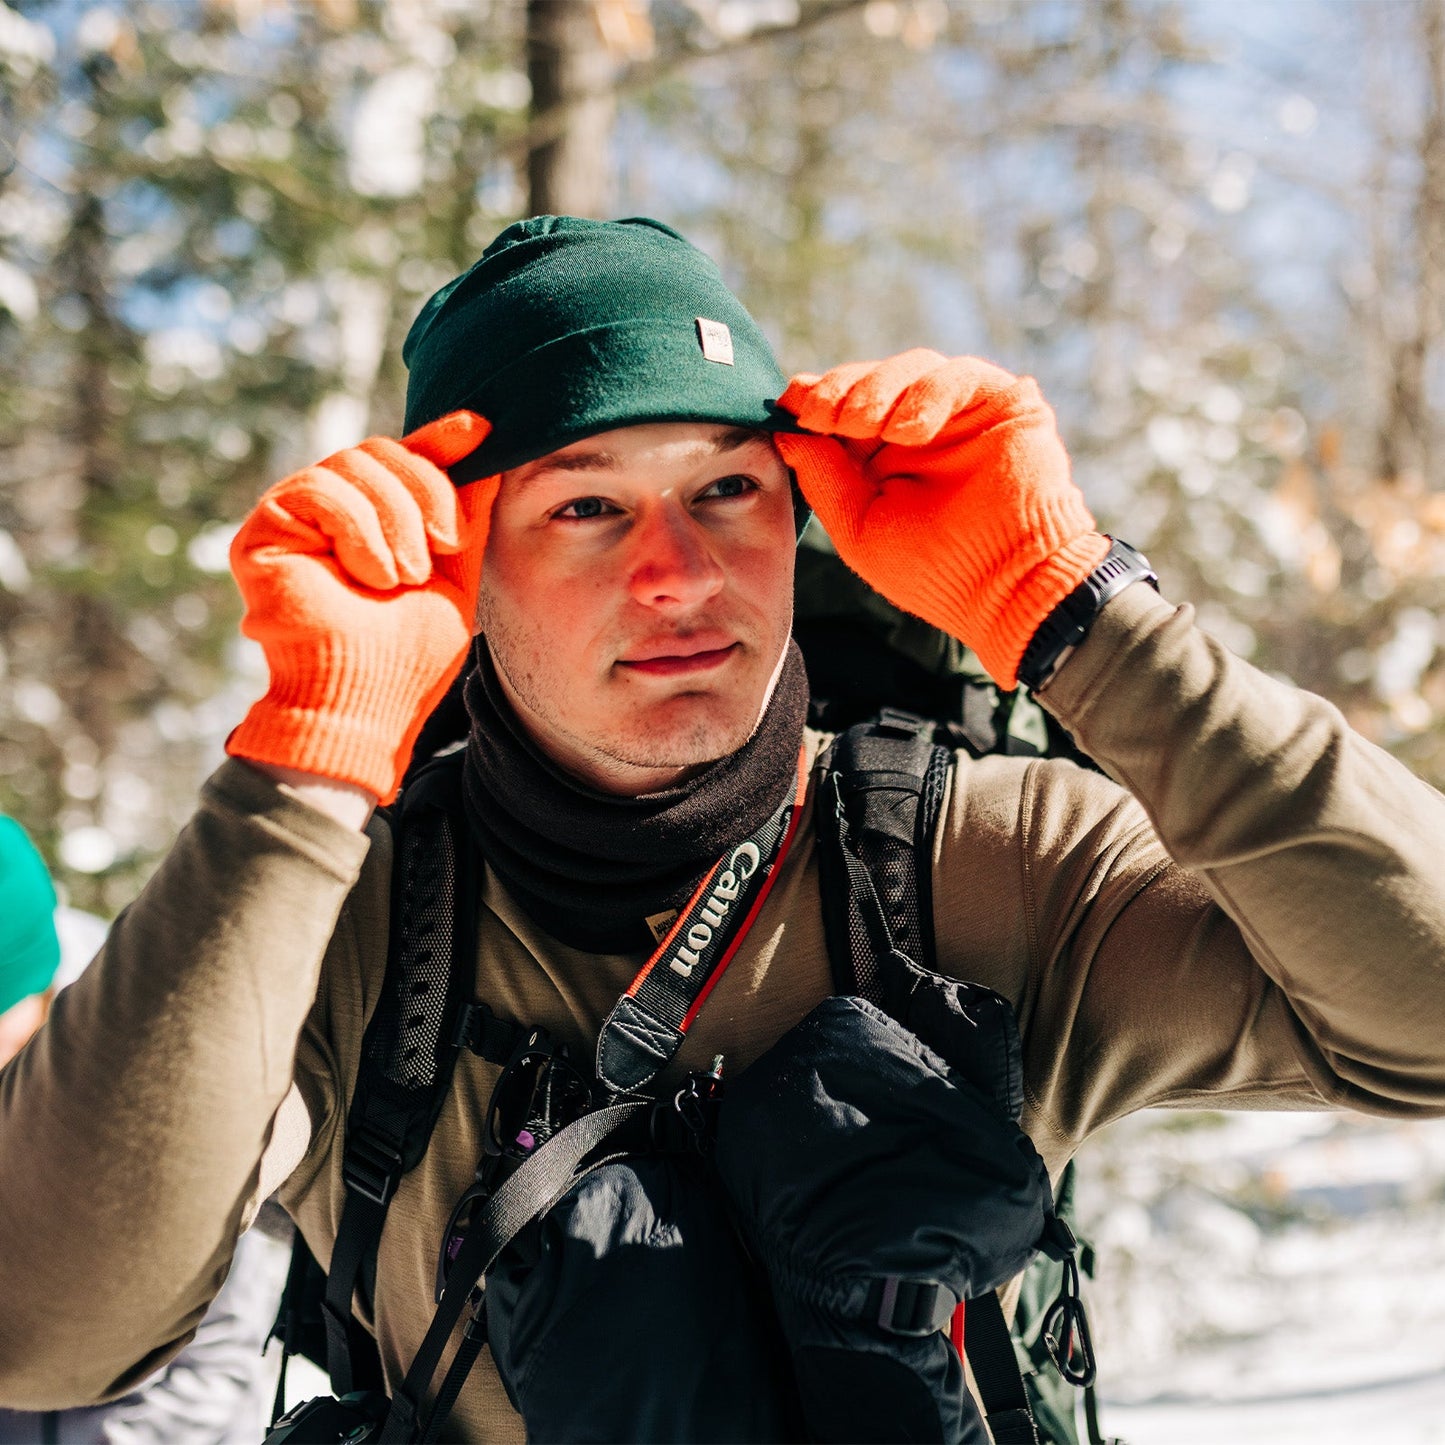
{"x":883,"y":791}
{"x":410,"y":1047}
{"x":996,"y":1371}
{"x":305,"y":1284}
{"x":883,"y":788}
{"x":526,"y":1195}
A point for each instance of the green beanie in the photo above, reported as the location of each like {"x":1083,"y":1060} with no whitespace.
{"x":568,"y":327}
{"x":29,"y":948}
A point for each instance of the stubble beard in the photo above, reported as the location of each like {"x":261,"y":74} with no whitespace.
{"x":690,"y":743}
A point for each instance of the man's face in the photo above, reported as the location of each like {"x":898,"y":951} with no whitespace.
{"x":637,"y":597}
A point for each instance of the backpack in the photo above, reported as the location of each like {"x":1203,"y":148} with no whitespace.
{"x":865,"y":657}
{"x":888,"y":775}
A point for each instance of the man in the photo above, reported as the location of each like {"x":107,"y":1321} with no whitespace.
{"x":1252,"y":915}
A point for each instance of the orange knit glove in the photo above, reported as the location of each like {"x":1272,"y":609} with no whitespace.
{"x":949,"y":492}
{"x":360,"y":579}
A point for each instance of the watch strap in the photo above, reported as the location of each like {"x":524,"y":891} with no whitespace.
{"x":1068,"y":624}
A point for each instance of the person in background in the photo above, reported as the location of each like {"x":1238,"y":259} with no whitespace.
{"x":29,"y":943}
{"x":218,"y":1390}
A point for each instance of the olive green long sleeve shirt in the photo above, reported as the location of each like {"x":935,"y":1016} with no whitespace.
{"x":1250,"y":914}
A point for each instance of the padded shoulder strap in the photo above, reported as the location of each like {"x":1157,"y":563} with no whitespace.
{"x":883,"y":787}
{"x":410,"y":1047}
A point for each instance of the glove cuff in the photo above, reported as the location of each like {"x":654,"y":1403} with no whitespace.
{"x":1003,"y":638}
{"x":360,"y":730}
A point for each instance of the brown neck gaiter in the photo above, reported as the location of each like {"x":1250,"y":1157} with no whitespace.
{"x":590,"y":867}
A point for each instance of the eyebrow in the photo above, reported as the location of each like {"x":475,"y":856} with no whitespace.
{"x":601,"y":460}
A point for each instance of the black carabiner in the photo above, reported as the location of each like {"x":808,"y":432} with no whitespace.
{"x":687,"y":1123}
{"x":1066,"y":1331}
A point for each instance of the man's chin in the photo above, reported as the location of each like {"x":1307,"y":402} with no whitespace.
{"x":677,"y":742}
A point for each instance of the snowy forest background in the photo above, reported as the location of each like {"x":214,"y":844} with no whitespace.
{"x":1214,"y":231}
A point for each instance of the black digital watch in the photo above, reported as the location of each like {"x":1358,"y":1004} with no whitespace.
{"x":1068,"y":624}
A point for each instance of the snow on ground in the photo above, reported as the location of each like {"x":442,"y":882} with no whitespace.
{"x":1407,"y":1411}
{"x":1274,"y":1277}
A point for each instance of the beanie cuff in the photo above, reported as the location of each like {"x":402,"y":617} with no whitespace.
{"x":567,"y":327}
{"x":625,"y":373}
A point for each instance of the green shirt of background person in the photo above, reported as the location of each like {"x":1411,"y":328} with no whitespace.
{"x":29,"y":944}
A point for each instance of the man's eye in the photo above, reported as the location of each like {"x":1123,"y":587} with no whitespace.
{"x":733,"y":486}
{"x":582,"y":508}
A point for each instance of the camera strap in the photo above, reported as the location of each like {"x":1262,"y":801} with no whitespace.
{"x":648,"y":1024}
{"x":640,"y":1037}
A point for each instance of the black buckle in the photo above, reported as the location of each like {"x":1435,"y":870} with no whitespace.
{"x":470,"y":1021}
{"x":1057,"y":1241}
{"x":914,"y":1307}
{"x":483,"y":1033}
{"x":371,"y":1166}
{"x":1013,"y":1427}
{"x":894,"y":722}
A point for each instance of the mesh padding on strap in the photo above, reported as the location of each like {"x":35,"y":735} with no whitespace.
{"x":890,"y":782}
{"x":408,"y":1052}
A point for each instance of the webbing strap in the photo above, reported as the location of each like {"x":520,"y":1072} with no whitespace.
{"x":529,"y":1193}
{"x":288,"y":1319}
{"x":474,"y":1337}
{"x":861,"y":885}
{"x":486,"y":1035}
{"x":996,"y":1371}
{"x":358,"y":1228}
{"x":885,"y":782}
{"x":1013,"y":1427}
{"x":410,"y":1045}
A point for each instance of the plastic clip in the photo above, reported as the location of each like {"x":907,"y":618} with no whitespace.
{"x":694,"y":1106}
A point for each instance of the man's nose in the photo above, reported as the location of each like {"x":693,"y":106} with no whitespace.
{"x":672,"y":563}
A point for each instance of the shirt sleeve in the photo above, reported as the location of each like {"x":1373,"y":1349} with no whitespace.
{"x":133,"y":1125}
{"x":1251,"y":914}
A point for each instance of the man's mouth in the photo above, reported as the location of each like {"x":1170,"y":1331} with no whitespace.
{"x":678,"y":656}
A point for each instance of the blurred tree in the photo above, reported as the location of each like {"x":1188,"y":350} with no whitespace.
{"x":1063,"y":189}
{"x":216,"y":223}
{"x":227,"y":216}
{"x":572,"y":70}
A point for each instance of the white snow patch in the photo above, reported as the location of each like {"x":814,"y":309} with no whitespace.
{"x":1313,"y":1314}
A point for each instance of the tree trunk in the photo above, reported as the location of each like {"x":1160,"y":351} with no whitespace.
{"x":569,"y":168}
{"x":1405,"y":441}
{"x":1430,"y":232}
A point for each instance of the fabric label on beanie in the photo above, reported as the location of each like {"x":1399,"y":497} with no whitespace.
{"x":717,"y":341}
